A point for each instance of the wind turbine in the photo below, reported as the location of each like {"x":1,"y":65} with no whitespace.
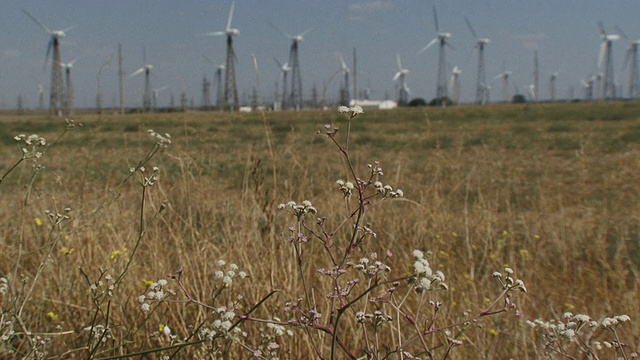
{"x":294,"y":62}
{"x":631,"y":60}
{"x":155,"y":96}
{"x":481,"y":77}
{"x":505,"y":84}
{"x":442,"y":39}
{"x":98,"y":77}
{"x":454,"y":84}
{"x":258,"y":94}
{"x":146,"y":69}
{"x":403,"y":92}
{"x":56,"y":96}
{"x":344,"y":91}
{"x":230,"y":89}
{"x":605,"y":63}
{"x":552,"y":85}
{"x":69,"y":95}
{"x":284,"y":69}
{"x":40,"y":97}
{"x":219,"y":91}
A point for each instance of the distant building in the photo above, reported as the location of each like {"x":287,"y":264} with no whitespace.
{"x":375,"y":104}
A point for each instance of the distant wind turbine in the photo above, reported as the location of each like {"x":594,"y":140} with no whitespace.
{"x":69,"y":97}
{"x":442,"y":38}
{"x":294,"y":63}
{"x":605,"y":63}
{"x":505,"y":84}
{"x":481,"y":77}
{"x":454,"y":84}
{"x":230,"y":101}
{"x":403,"y":92}
{"x":146,"y":69}
{"x":631,"y":60}
{"x":344,"y":91}
{"x":284,"y":71}
{"x":56,"y":95}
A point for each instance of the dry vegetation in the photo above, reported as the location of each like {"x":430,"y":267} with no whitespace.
{"x":548,"y":190}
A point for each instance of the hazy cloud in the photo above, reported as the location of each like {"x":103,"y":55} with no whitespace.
{"x":12,"y":53}
{"x":529,"y":41}
{"x":371,"y":6}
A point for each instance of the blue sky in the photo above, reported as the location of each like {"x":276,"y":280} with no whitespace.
{"x":565,"y":32}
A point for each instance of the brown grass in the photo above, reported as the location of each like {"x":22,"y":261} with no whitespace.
{"x":549,"y":190}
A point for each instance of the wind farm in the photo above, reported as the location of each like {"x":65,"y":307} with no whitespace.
{"x":365,"y":179}
{"x":314,"y":63}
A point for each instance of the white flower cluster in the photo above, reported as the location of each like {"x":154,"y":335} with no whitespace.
{"x":613,"y":322}
{"x":99,"y":333}
{"x":350,"y":111}
{"x":4,"y":285}
{"x":30,"y":145}
{"x":376,"y":319}
{"x":568,"y":329}
{"x":156,"y":291}
{"x":371,"y":266}
{"x":161,"y":140}
{"x":571,"y":329}
{"x":269,"y":346}
{"x":426,"y":279}
{"x":346,"y":187}
{"x":508,"y":281}
{"x":228,"y":275}
{"x":145,"y":178}
{"x":387,"y":190}
{"x":101,"y":287}
{"x":57,"y":218}
{"x":299,"y":210}
{"x":222,"y":326}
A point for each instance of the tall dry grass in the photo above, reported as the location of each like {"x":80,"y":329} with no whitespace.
{"x":549,"y":191}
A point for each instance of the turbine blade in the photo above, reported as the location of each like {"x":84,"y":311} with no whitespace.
{"x":396,"y":76}
{"x":135,"y":73}
{"x":255,"y":62}
{"x":435,"y":19}
{"x":233,"y":4}
{"x":435,"y":40}
{"x":280,"y":30}
{"x":208,"y":60}
{"x":43,"y":26}
{"x":473,"y":32}
{"x":626,"y":58}
{"x":278,"y":62}
{"x":70,"y":28}
{"x":46,"y":57}
{"x":622,"y":34}
{"x":603,"y":46}
{"x":214,"y":33}
{"x":399,"y":62}
{"x":306,"y":31}
{"x":603,"y":34}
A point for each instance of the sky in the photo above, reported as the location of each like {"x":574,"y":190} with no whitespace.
{"x":565,"y":33}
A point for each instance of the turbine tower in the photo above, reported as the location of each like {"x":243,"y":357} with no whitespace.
{"x":605,"y":63}
{"x":69,"y":95}
{"x":552,"y":85}
{"x":206,"y":93}
{"x":56,"y":96}
{"x":258,"y":92}
{"x":442,"y":39}
{"x":344,"y":91}
{"x":219,"y":90}
{"x":294,"y":62}
{"x":505,"y":84}
{"x":534,"y":87}
{"x":403,"y":92}
{"x":99,"y":96}
{"x":481,"y":78}
{"x":284,"y":69}
{"x":631,"y":60}
{"x":230,"y":100}
{"x":454,"y":84}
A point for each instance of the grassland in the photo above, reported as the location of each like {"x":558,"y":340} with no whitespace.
{"x":549,"y":190}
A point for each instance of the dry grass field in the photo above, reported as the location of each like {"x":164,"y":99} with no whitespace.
{"x":548,"y":190}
